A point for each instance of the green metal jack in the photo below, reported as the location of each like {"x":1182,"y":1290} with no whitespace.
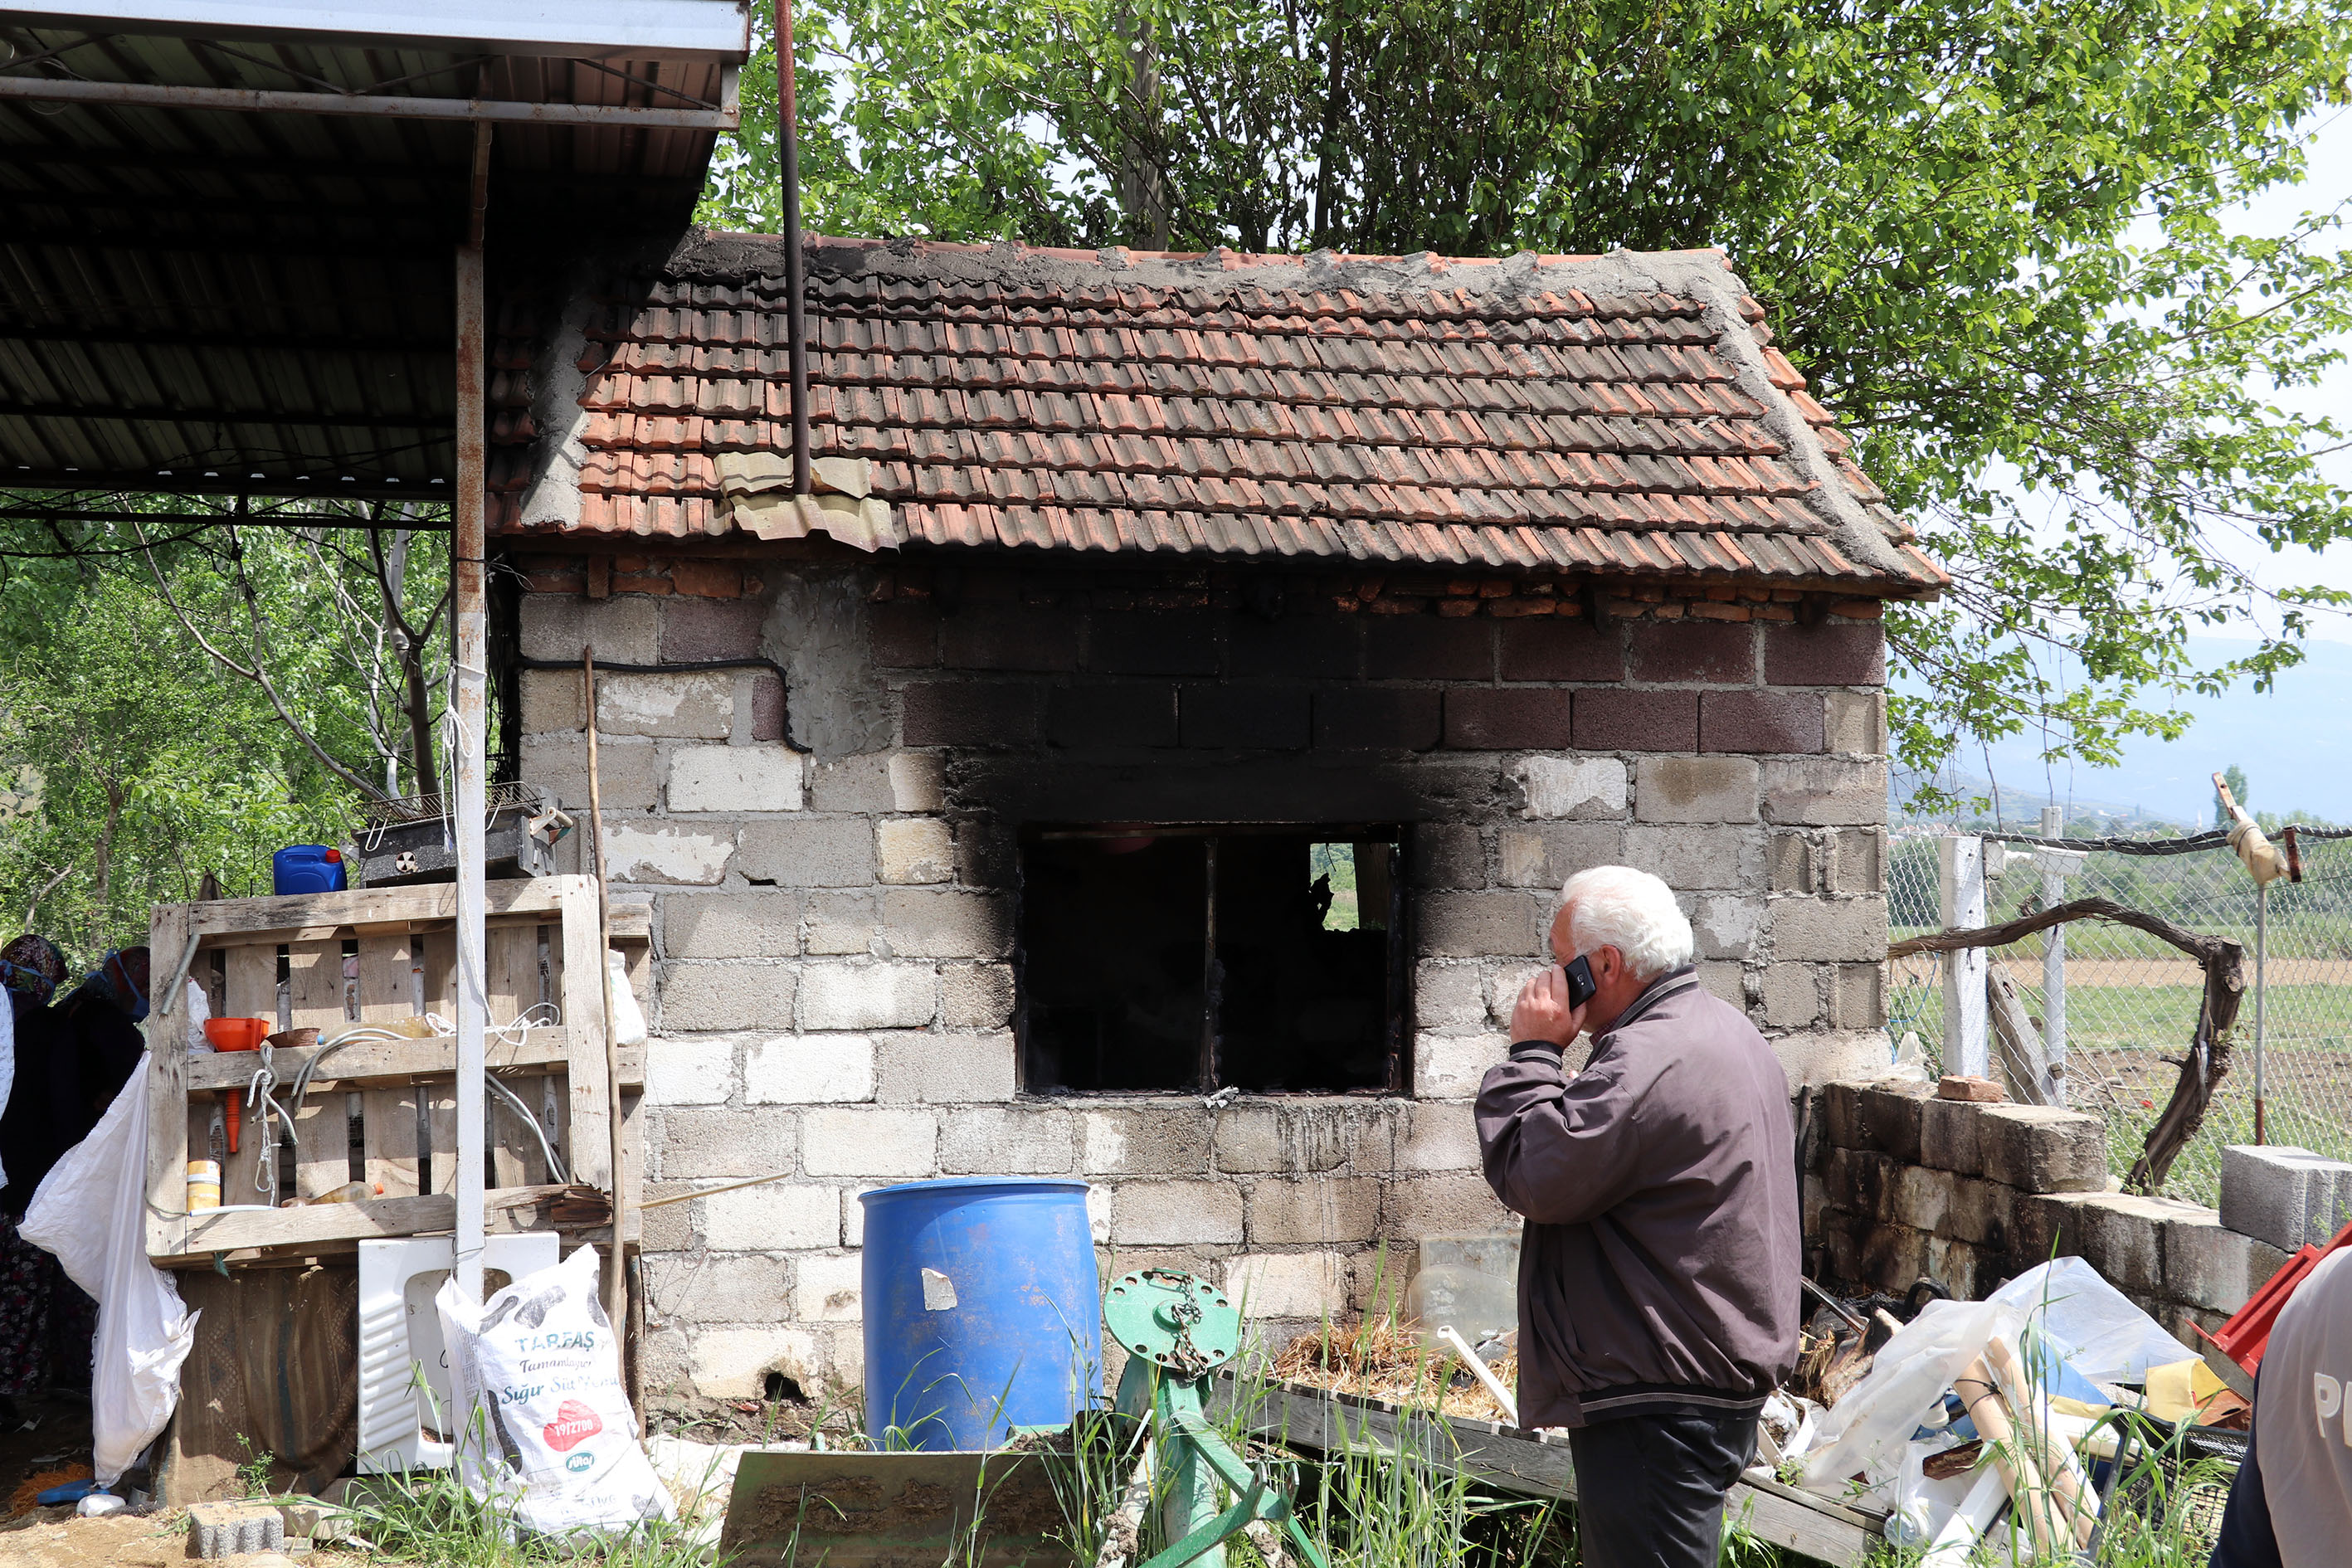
{"x":1176,"y":1331}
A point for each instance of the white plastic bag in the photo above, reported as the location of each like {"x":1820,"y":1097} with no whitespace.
{"x":91,"y":1211}
{"x":200,"y":1008}
{"x":2093,"y":1326}
{"x":629,"y":1018}
{"x":543,"y":1421}
{"x":1866,"y":1432}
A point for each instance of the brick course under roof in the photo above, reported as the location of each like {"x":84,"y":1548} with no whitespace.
{"x":1621,"y":414}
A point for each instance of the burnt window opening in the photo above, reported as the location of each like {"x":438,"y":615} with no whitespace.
{"x":1267,"y":959}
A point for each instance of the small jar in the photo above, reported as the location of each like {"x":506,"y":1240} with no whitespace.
{"x":203,"y":1185}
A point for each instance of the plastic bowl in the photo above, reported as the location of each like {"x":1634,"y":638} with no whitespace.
{"x":238,"y":1034}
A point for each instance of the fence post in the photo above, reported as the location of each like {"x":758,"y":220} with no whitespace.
{"x":1960,"y":891}
{"x":2057,"y":865}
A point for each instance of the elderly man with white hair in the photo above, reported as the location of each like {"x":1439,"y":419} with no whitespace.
{"x":1658,"y":1280}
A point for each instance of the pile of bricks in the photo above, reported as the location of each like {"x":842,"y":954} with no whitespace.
{"x":2287,"y":1197}
{"x":1904,"y":1185}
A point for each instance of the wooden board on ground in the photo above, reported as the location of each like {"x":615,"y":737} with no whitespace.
{"x":894,"y":1510}
{"x":1527,"y":1463}
{"x":275,"y":1363}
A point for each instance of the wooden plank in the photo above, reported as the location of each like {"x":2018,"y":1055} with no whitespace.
{"x":441,"y":1126}
{"x":440,"y":950}
{"x":322,"y":1141}
{"x":1539,"y":1466}
{"x":252,"y":982}
{"x":510,"y":1150}
{"x":387,"y":986}
{"x":589,"y":1150}
{"x":399,"y":1060}
{"x":388,"y":1140}
{"x":516,"y":1208}
{"x":315,"y":986}
{"x":275,"y":1363}
{"x":373,"y":906}
{"x":510,"y":973}
{"x":167,"y":1099}
{"x":2024,"y":1065}
{"x":633,"y":1161}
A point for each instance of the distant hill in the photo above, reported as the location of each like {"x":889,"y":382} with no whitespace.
{"x":2295,"y":743}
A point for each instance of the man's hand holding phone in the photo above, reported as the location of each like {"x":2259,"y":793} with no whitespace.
{"x":1551,"y":1005}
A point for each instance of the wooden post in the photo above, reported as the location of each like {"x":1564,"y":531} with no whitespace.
{"x":470,"y":655}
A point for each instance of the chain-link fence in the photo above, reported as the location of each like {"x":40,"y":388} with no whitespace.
{"x":2129,"y":1000}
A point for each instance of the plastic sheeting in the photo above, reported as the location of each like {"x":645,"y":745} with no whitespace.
{"x":90,"y":1212}
{"x":2094,"y":1325}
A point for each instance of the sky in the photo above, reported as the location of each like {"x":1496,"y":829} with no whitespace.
{"x":2296,"y":743}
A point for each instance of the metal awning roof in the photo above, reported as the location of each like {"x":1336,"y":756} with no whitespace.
{"x":227,"y":229}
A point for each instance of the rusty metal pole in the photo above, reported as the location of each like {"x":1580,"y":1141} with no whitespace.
{"x":788,"y":159}
{"x":469,"y":657}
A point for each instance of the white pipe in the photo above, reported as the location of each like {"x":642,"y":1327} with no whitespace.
{"x":1483,"y":1372}
{"x":2261,"y":995}
{"x":469,"y":658}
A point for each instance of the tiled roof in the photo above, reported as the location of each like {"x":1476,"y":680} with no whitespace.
{"x":1622,"y":414}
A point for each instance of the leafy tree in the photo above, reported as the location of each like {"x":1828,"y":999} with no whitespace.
{"x":1993,"y":232}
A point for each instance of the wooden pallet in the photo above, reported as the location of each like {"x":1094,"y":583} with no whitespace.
{"x":329,"y":961}
{"x":1529,"y":1464}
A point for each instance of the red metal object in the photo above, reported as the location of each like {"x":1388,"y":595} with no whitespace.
{"x":2247,"y":1334}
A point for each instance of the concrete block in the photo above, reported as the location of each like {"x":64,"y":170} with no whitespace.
{"x":1505,"y":982}
{"x":762,"y":923}
{"x":2208,"y":1265}
{"x":1169,"y":1141}
{"x":860,"y":782}
{"x":2119,"y":1235}
{"x":868,"y":995}
{"x":717,"y":1288}
{"x":1449,"y":998}
{"x":1008,"y":1141}
{"x":628,"y":772}
{"x":2287,"y":1197}
{"x":918,"y":781}
{"x":1692,"y":860}
{"x":1480,"y":926}
{"x":921,"y":923}
{"x":1858,"y":996}
{"x":623,"y":630}
{"x":869,"y":1141}
{"x":1572,"y":786}
{"x":1726,"y":979}
{"x":1288,"y":1284}
{"x":816,"y":852}
{"x":734,"y":778}
{"x":657,"y":852}
{"x":1858,"y":860}
{"x":1856,"y":722}
{"x":1321,"y":1208}
{"x":699,"y":996}
{"x":1725,"y":925}
{"x":1447,"y":855}
{"x":1177,"y":1213}
{"x":945,"y":1069}
{"x":809,"y":1070}
{"x":1830,"y":791}
{"x":1791,"y":857}
{"x":697,"y":1145}
{"x":915,"y":849}
{"x":1249,"y":1139}
{"x":976,"y":996}
{"x":828,"y":1288}
{"x":1875,"y":1253}
{"x":1949,"y":1139}
{"x":987,"y":855}
{"x":1695,"y":789}
{"x":2042,"y":1149}
{"x":1547,"y":855}
{"x":1969,"y":1271}
{"x":1863,"y":1183}
{"x":1791,"y":995}
{"x":1438,"y":1137}
{"x":1445,"y":1201}
{"x":734,"y":1363}
{"x":699,"y":707}
{"x":1449,"y":1067}
{"x":1844,"y":929}
{"x":773,"y":1217}
{"x":1819,"y":1056}
{"x":1891,"y":1118}
{"x":844,"y":923}
{"x":689,"y":1072}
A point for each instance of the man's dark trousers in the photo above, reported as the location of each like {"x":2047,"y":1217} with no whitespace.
{"x":1649,"y":1488}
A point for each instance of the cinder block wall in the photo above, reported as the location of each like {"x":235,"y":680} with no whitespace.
{"x":833,"y":992}
{"x":1906,"y":1185}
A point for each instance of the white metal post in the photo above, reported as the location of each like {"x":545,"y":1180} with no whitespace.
{"x":470,"y":656}
{"x":2262,"y":995}
{"x":1960,"y":889}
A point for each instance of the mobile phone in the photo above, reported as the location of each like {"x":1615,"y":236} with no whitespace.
{"x":1580,"y":982}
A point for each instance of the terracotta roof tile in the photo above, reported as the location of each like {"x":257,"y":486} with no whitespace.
{"x":1516,"y":415}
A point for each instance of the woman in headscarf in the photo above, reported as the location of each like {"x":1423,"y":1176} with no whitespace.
{"x":30,"y":969}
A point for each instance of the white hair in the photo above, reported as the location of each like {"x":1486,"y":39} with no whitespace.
{"x":1633,"y":911}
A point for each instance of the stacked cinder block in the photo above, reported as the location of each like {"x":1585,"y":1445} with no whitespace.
{"x":833,"y":990}
{"x":1906,"y":1184}
{"x":2287,"y":1197}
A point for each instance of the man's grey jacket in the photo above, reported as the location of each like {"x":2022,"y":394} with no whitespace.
{"x":1660,"y":1266}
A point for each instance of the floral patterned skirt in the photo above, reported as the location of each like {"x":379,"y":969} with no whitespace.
{"x":47,"y":1322}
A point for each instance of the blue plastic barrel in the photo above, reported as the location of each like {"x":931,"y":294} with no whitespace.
{"x":983,"y":1310}
{"x":307,"y":868}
